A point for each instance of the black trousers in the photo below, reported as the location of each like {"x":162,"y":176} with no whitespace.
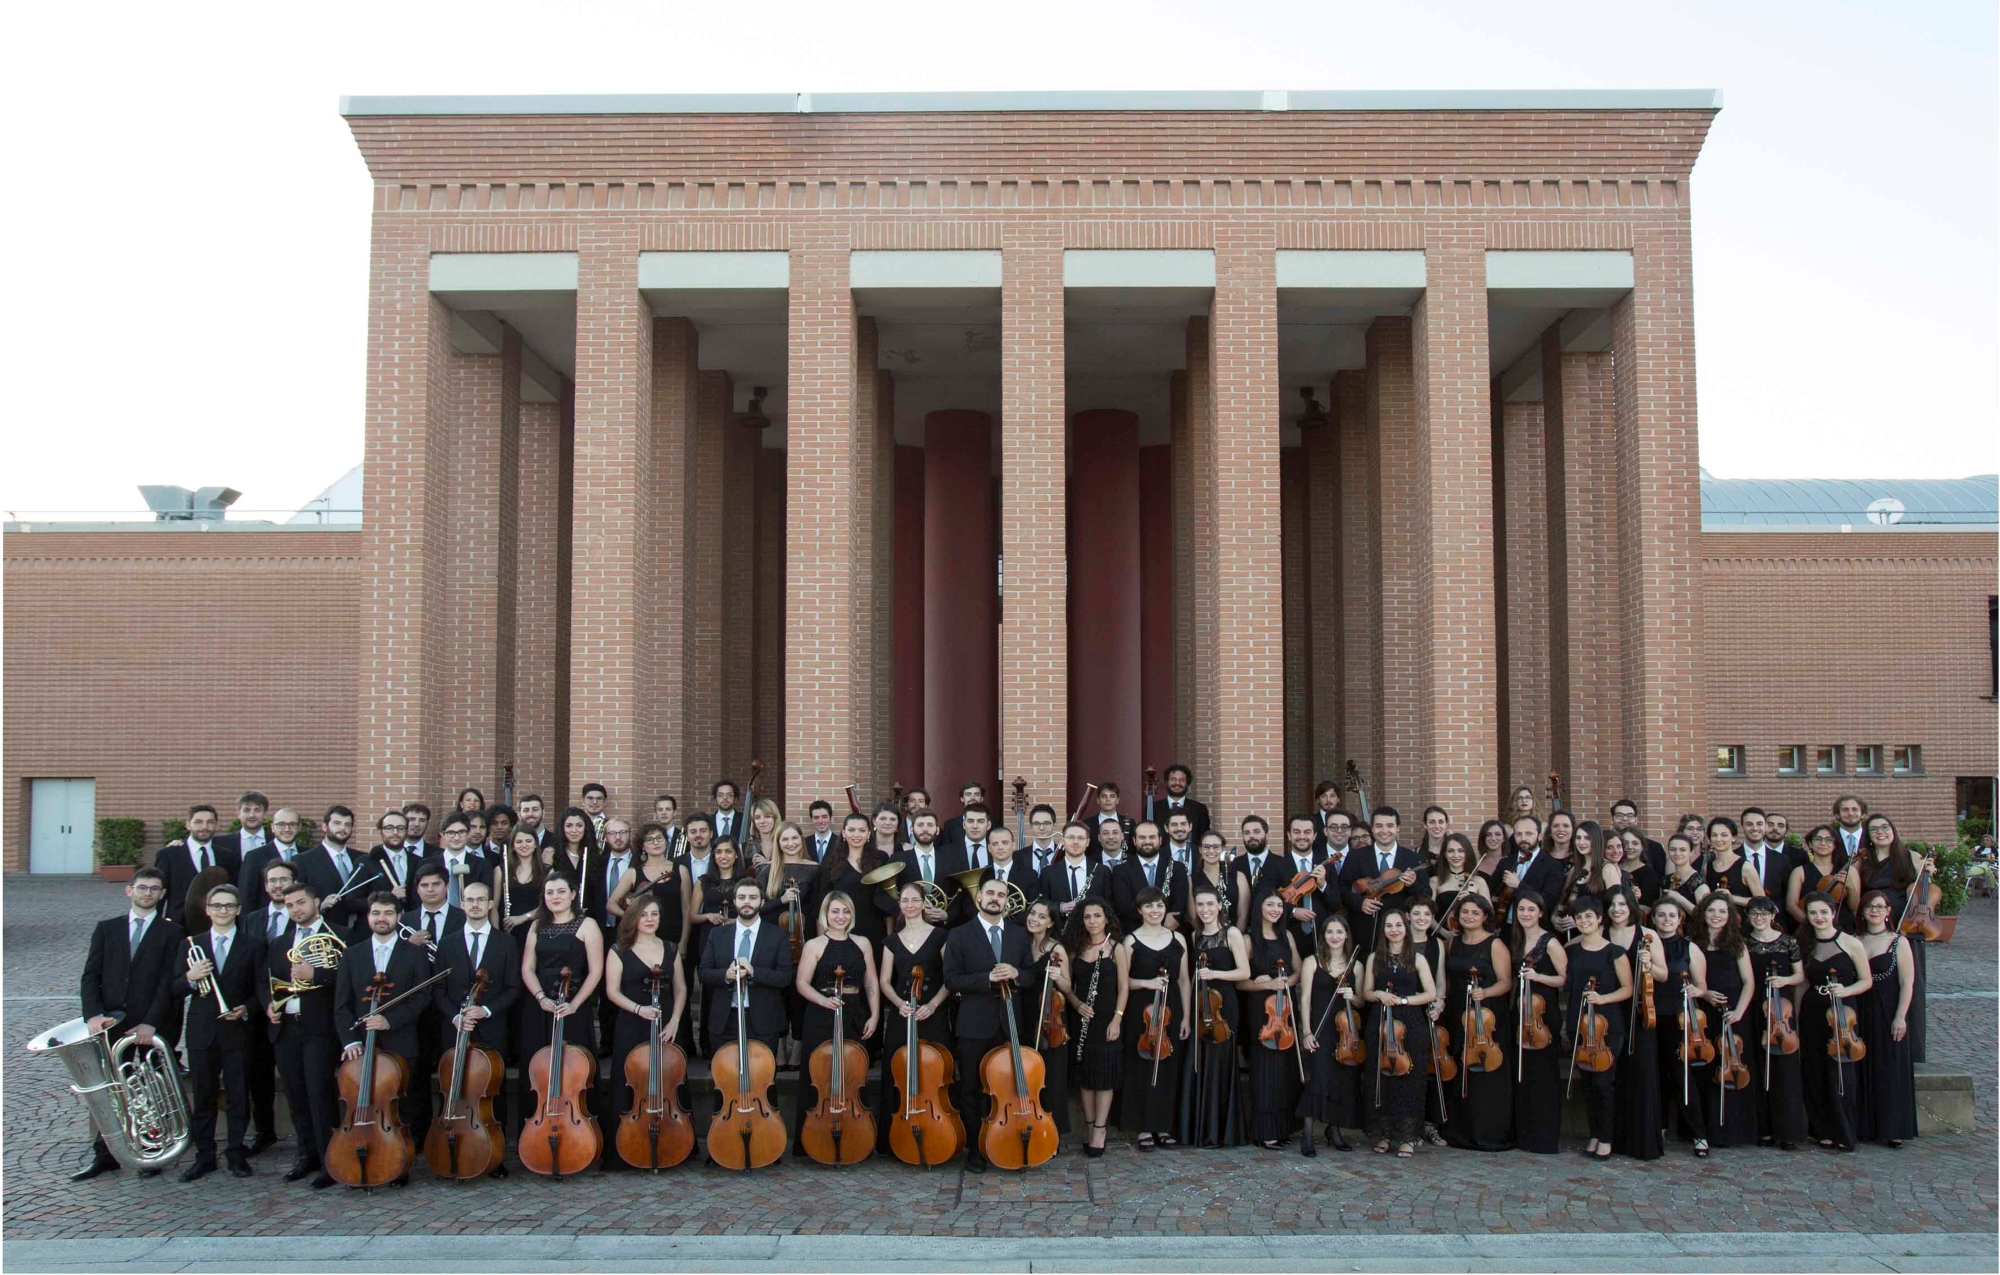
{"x":972,"y":1102}
{"x":1599,"y":1103}
{"x":416,"y":1106}
{"x":222,"y":1067}
{"x":262,"y":1065}
{"x":308,"y":1065}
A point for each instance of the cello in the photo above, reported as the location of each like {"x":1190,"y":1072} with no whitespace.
{"x":1016,"y":1133}
{"x":465,"y":1141}
{"x":926,"y":1129}
{"x":561,"y":1138}
{"x":655,"y":1132}
{"x":840,"y":1129}
{"x":746,"y":1131}
{"x":372,"y":1145}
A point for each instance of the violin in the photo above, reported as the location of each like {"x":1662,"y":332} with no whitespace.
{"x":1696,"y":1048}
{"x":1648,"y":1015}
{"x":562,"y":1138}
{"x":1592,"y":1051}
{"x":1392,"y":1058}
{"x":1156,"y":1018}
{"x":372,"y":1144}
{"x":1277,"y":1032}
{"x":1349,"y":1049}
{"x":927,"y":1128}
{"x":1017,"y":1132}
{"x":795,"y":927}
{"x":1212,"y":1026}
{"x":1390,"y":882}
{"x":1298,"y":888}
{"x":655,"y":1131}
{"x":1734,"y":1073}
{"x":1442,"y":1064}
{"x":1781,"y":1033}
{"x":1534,"y":1027}
{"x":465,"y":1141}
{"x":746,"y":1131}
{"x":1482,"y":1053}
{"x":840,"y":1129}
{"x":1920,"y":914}
{"x":1053,"y":1026}
{"x":1846,"y":1044}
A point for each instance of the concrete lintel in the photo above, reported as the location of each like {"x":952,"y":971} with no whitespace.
{"x":1139,"y":268}
{"x":480,"y":332}
{"x":503,"y":272}
{"x":975,"y":268}
{"x":1522,"y":382}
{"x":1357,"y":269}
{"x":1589,"y":271}
{"x":1586,"y":331}
{"x":719,"y":271}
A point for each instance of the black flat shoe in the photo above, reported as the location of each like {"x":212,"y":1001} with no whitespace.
{"x":975,"y":1166}
{"x":499,"y":1171}
{"x":323,"y":1181}
{"x":1340,"y":1143}
{"x":98,"y":1165}
{"x":260,"y":1144}
{"x":197,"y":1171}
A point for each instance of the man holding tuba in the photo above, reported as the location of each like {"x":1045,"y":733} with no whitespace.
{"x":296,"y":998}
{"x":128,"y":980}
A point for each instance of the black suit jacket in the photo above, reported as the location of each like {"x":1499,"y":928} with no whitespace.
{"x":178,"y":864}
{"x":1360,"y":867}
{"x":1319,"y":818}
{"x":1020,"y":874}
{"x":405,"y":862}
{"x":737,"y":829}
{"x":968,"y":960}
{"x":1094,"y":820}
{"x":250,"y":878}
{"x":407,"y":968}
{"x":949,"y":860}
{"x":1056,"y":887}
{"x":478,"y":866}
{"x":771,"y":967}
{"x":1545,"y":876}
{"x":501,"y":959}
{"x":318,"y":867}
{"x":139,"y":985}
{"x":239,"y":975}
{"x":1197,"y":816}
{"x":316,"y":1008}
{"x":454,"y":921}
{"x":1281,"y":867}
{"x":1129,"y":878}
{"x":1778,"y":865}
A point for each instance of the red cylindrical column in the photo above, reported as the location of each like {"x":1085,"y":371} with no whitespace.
{"x":961,"y":608}
{"x":909,"y":639}
{"x":1156,"y":627}
{"x":1105,"y":687}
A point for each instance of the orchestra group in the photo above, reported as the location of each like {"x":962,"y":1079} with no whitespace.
{"x":963,"y":986}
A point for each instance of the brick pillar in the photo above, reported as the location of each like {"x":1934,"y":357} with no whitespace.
{"x":707,"y":608}
{"x":1392,"y":429}
{"x":1521,"y":571}
{"x":1034,"y":633}
{"x":1457,"y":676}
{"x":1659,"y":515}
{"x":1325,"y":617}
{"x":536,"y":616}
{"x":961,"y":609}
{"x":676,"y":384}
{"x":739,"y":590}
{"x":1298,"y":652}
{"x":1156,"y":587}
{"x":768,"y":697}
{"x":1204,"y":671}
{"x":908,"y":760}
{"x":825,"y":551}
{"x":485,"y":457}
{"x":1360,"y":582}
{"x":406,"y":640}
{"x":613,"y":719}
{"x":1107,"y":603}
{"x":1249,"y":773}
{"x":1585,"y":699}
{"x":1180,"y":594}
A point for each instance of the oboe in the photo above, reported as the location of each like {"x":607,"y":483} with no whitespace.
{"x":1090,"y":999}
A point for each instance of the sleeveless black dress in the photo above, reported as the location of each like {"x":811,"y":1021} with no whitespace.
{"x":1833,"y":1086}
{"x":1274,"y":1073}
{"x":1731,"y":1114}
{"x":1888,"y":1073}
{"x":928,"y":957}
{"x":629,"y":1030}
{"x":1393,"y":1106}
{"x":1781,"y":1108}
{"x":557,"y":946}
{"x":1333,"y":1091}
{"x":1146,"y":1106}
{"x":1538,"y":1093}
{"x":1212,"y":1104}
{"x":1055,"y":1059}
{"x":1639,"y":1120}
{"x":1884,"y":879}
{"x":1479,"y":1105}
{"x":1679,"y":1118}
{"x":667,"y":892}
{"x":1096,"y":1063}
{"x":816,"y":1026}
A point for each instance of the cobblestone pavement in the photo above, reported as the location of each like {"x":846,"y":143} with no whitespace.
{"x":1943,"y":1183}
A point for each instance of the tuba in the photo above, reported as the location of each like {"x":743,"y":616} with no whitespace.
{"x":132,"y":1091}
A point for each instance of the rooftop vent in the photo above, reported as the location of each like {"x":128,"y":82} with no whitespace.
{"x":178,"y":504}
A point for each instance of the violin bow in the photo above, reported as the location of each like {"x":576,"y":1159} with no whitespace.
{"x":1298,"y":1048}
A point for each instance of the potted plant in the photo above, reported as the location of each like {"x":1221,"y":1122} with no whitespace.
{"x":118,"y":844}
{"x":1952,"y":864}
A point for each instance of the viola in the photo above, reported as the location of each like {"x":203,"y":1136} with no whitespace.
{"x":1781,"y":1033}
{"x":655,"y":1131}
{"x":1482,"y":1053}
{"x":1392,"y":1057}
{"x":1212,"y":1026}
{"x":927,"y":1128}
{"x":746,"y":1132}
{"x":1592,"y":1051}
{"x":562,"y":1138}
{"x":372,"y":1144}
{"x":1017,"y":1132}
{"x":1845,"y":1045}
{"x":1534,"y":1027}
{"x":1920,"y":914}
{"x":840,"y":1129}
{"x":1648,"y":1015}
{"x":1349,"y":1049}
{"x":1697,"y":1050}
{"x":1277,"y":1031}
{"x":465,"y":1141}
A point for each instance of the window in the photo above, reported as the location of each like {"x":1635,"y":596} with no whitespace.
{"x":1826,"y":760}
{"x":1730,"y":760}
{"x":1868,"y":759}
{"x":1909,"y":759}
{"x":1791,"y":759}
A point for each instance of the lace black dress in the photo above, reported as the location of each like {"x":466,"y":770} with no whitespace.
{"x":1778,"y":1087}
{"x":1888,"y":1073}
{"x":1538,"y":1096}
{"x":1394,"y":1105}
{"x":1274,"y":1073}
{"x":1147,"y":1106}
{"x":1832,"y":1086}
{"x":1212,"y":1104}
{"x":1479,"y":1105}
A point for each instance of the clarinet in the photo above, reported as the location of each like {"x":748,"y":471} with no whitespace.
{"x":1090,"y":998}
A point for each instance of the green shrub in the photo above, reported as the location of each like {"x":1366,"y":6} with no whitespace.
{"x":1952,"y":863}
{"x":119,"y":841}
{"x":173,"y":829}
{"x":308,"y":830}
{"x":1972,"y":829}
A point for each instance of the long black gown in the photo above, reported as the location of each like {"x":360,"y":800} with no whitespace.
{"x":1274,"y":1073}
{"x":1730,"y":1114}
{"x":1639,"y":1120}
{"x":1478,"y":1105}
{"x":1599,"y":1087}
{"x":1096,"y":1063}
{"x":1393,"y":1106}
{"x":1888,"y":1073}
{"x":1778,"y":1089}
{"x":1212,"y":1106}
{"x":1333,"y":1091}
{"x":816,"y":1025}
{"x":557,"y":947}
{"x":1679,"y":1118}
{"x":1538,"y":1093}
{"x":635,"y":984}
{"x":1833,"y":1086}
{"x":1147,"y":1106}
{"x":1055,"y":1059}
{"x":1884,"y":879}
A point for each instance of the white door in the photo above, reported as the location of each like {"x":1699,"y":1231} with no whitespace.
{"x":61,"y":816}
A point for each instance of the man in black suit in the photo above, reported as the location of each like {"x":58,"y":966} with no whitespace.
{"x":974,"y":827}
{"x":251,"y":835}
{"x":433,"y":923}
{"x":333,"y":864}
{"x":1303,"y":854}
{"x":606,"y":868}
{"x":952,"y":831}
{"x":1004,"y":865}
{"x":303,"y":1032}
{"x":1044,"y":838}
{"x":395,"y":860}
{"x":1180,"y":785}
{"x":978,"y":956}
{"x":182,"y":861}
{"x":1368,"y":864}
{"x":1107,"y":812}
{"x":282,"y":846}
{"x":1528,"y":868}
{"x":231,"y":959}
{"x":1326,"y":800}
{"x":480,"y":945}
{"x":461,"y":863}
{"x":530,"y":817}
{"x":1769,"y":860}
{"x":1256,"y":854}
{"x":925,"y":860}
{"x":725,"y":818}
{"x":1148,"y":869}
{"x":822,"y":836}
{"x":1076,"y":874}
{"x":383,"y":952}
{"x":417,"y":830}
{"x":1625,"y":818}
{"x":756,"y":954}
{"x":128,"y":980}
{"x":267,"y":918}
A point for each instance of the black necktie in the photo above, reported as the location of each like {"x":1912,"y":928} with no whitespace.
{"x":478,"y":946}
{"x":1075,"y":883}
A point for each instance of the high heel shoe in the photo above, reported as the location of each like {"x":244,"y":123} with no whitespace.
{"x":1339,"y":1143}
{"x":1094,"y":1153}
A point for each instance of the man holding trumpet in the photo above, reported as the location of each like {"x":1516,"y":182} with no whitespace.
{"x":222,"y":967}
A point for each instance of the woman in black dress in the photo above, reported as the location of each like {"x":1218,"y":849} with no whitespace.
{"x":1639,"y":1121}
{"x":915,"y":944}
{"x":1479,"y":1105}
{"x":518,"y":883}
{"x":1095,"y":970}
{"x":1729,"y":1113}
{"x":1332,"y":1095}
{"x":574,"y":849}
{"x":1491,"y":848}
{"x":1776,"y":1087}
{"x":1728,"y":871}
{"x":836,"y":950}
{"x":1428,"y":941}
{"x":842,"y":870}
{"x":654,"y":874}
{"x":1888,"y":1073}
{"x":1599,"y":975}
{"x":1155,"y":973}
{"x":1686,"y":983}
{"x":1045,"y":977}
{"x":560,"y":937}
{"x":1683,"y":884}
{"x":1836,"y":965}
{"x":1274,"y":1073}
{"x":628,"y":983}
{"x":1542,"y":969}
{"x":1457,"y":873}
{"x":1212,"y":871}
{"x":1399,"y":985}
{"x":1222,"y":961}
{"x":717,"y":890}
{"x":1626,"y":851}
{"x":1823,"y":859}
{"x":1887,"y":865}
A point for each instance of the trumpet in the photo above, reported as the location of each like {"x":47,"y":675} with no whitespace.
{"x":968,"y":881}
{"x":208,"y":984}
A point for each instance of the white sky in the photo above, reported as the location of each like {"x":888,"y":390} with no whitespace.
{"x":192,"y":217}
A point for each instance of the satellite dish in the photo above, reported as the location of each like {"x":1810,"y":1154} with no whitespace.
{"x":1886,"y":512}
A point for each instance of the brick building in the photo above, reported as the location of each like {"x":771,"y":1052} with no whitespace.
{"x":900,"y":438}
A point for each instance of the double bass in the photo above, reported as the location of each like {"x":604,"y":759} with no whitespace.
{"x":1016,"y":1133}
{"x":840,"y":1129}
{"x":655,"y":1132}
{"x":746,"y":1131}
{"x":927,"y":1128}
{"x":562,"y":1138}
{"x":372,"y":1144}
{"x":465,"y":1141}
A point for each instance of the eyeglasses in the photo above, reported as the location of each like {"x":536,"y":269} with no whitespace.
{"x":221,"y":907}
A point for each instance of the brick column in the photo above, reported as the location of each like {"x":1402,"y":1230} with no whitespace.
{"x":1521,"y":568}
{"x":1458,"y":681}
{"x":881,"y":736}
{"x":961,"y":612}
{"x":1659,"y":511}
{"x":908,"y":642}
{"x":1203,"y":671}
{"x":406,"y":645}
{"x":1297,"y":619}
{"x":1396,"y":562}
{"x":1249,"y":770}
{"x":1181,"y":447}
{"x":708,"y":584}
{"x":536,"y":615}
{"x":613,"y":724}
{"x":1360,"y":581}
{"x":485,"y":450}
{"x":1107,"y":604}
{"x":676,"y":401}
{"x":1325,"y":616}
{"x":1034,"y":633}
{"x":1156,"y":585}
